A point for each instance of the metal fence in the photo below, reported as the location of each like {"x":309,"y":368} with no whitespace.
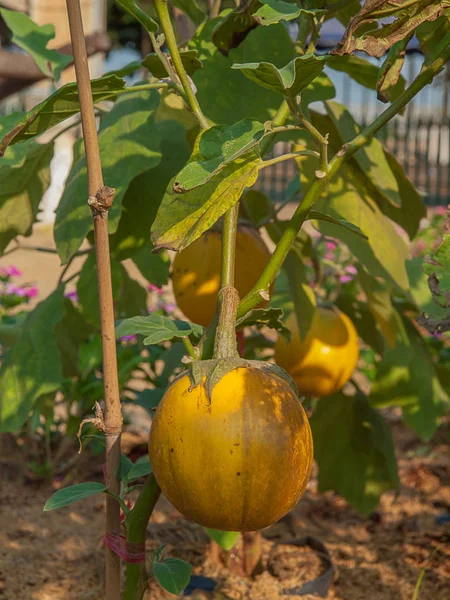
{"x":420,"y":138}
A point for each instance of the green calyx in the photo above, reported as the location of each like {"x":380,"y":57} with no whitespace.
{"x":209,"y":372}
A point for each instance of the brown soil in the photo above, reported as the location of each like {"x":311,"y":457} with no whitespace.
{"x":58,"y":555}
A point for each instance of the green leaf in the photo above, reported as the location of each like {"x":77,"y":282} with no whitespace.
{"x":216,"y":148}
{"x":58,"y":107}
{"x":172,"y":574}
{"x":90,"y":356}
{"x":157,"y":329}
{"x":182,"y":218}
{"x":265,"y":317}
{"x":432,"y":32}
{"x":239,"y":97}
{"x":412,"y":208}
{"x":301,"y":293}
{"x":139,"y":209}
{"x":320,"y":89}
{"x":148,"y":23}
{"x":288,"y":81}
{"x":32,"y":367}
{"x":404,"y":18}
{"x":34,"y":39}
{"x":354,"y":450}
{"x":406,"y":377}
{"x":274,"y":11}
{"x":141,"y":468}
{"x":153,"y":63}
{"x":420,"y":290}
{"x":21,"y":192}
{"x":234,"y":27}
{"x":129,"y":144}
{"x":72,"y":332}
{"x":363,"y":72}
{"x":390,"y":71}
{"x":73,"y":493}
{"x":124,"y":468}
{"x":129,"y":297}
{"x":371,"y":158}
{"x":380,"y":305}
{"x":225,"y":539}
{"x":363,"y":320}
{"x":154,"y":267}
{"x":192,"y":9}
{"x":149,"y":399}
{"x":316,"y":215}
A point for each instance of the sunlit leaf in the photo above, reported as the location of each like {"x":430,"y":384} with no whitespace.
{"x":157,"y":329}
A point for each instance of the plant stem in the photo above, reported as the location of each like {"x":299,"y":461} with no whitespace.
{"x":322,"y":139}
{"x":229,"y":246}
{"x":429,"y":70}
{"x":100,"y":198}
{"x":287,"y":156}
{"x":215,"y":9}
{"x":138,"y":518}
{"x":166,"y":25}
{"x":193,"y":353}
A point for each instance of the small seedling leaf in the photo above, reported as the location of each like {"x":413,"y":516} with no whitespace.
{"x":172,"y":574}
{"x":141,"y":468}
{"x":225,"y":539}
{"x":74,"y":493}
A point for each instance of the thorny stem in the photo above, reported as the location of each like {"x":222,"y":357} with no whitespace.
{"x":100,"y":200}
{"x":137,"y":520}
{"x":166,"y":25}
{"x":432,"y":66}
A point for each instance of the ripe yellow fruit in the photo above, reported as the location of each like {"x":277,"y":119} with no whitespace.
{"x":325,"y":360}
{"x":196,"y":271}
{"x":239,"y":461}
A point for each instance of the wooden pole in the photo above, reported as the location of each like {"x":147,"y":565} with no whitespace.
{"x":100,"y":200}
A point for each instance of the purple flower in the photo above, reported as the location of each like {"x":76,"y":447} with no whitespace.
{"x":21,"y":292}
{"x":10,"y":271}
{"x":345,"y":278}
{"x":351,"y":269}
{"x":169,"y":307}
{"x":72,"y":295}
{"x":127,"y":338}
{"x":440,"y":210}
{"x":154,"y":288}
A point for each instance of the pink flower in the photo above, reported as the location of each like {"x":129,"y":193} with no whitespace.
{"x":421,"y":245}
{"x":10,"y":271}
{"x":154,"y":288}
{"x":22,"y":292}
{"x":352,"y":270}
{"x":329,"y":255}
{"x":345,"y":278}
{"x":440,"y":210}
{"x":72,"y":295}
{"x":169,"y":308}
{"x":31,"y":292}
{"x":331,"y":246}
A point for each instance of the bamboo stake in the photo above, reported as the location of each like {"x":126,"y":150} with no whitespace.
{"x":100,"y":200}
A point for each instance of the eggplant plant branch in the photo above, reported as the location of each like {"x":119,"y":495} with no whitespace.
{"x":431,"y":67}
{"x":100,"y":199}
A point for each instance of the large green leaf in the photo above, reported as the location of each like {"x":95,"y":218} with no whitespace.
{"x":234,"y":27}
{"x":384,"y":253}
{"x":411,"y":209}
{"x":363,"y":72}
{"x":404,"y":18}
{"x":32,"y":367}
{"x":157,"y":329}
{"x":371,"y":158}
{"x":432,"y":32}
{"x":147,"y":22}
{"x":172,"y":574}
{"x":34,"y":39}
{"x":129,"y":297}
{"x":154,"y":267}
{"x":71,"y":333}
{"x":58,"y":107}
{"x":219,"y":146}
{"x":406,"y":377}
{"x":192,"y":9}
{"x":182,"y":218}
{"x":139,"y":209}
{"x":420,"y":290}
{"x":363,"y":320}
{"x":21,"y":192}
{"x":390,"y":71}
{"x":74,"y":493}
{"x":274,"y":11}
{"x":224,"y":95}
{"x":290,"y":80}
{"x":129,"y":144}
{"x":380,"y":305}
{"x":354,"y":450}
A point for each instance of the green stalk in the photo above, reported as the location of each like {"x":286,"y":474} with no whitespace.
{"x":229,"y":246}
{"x":137,"y":520}
{"x":162,"y":10}
{"x":430,"y":69}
